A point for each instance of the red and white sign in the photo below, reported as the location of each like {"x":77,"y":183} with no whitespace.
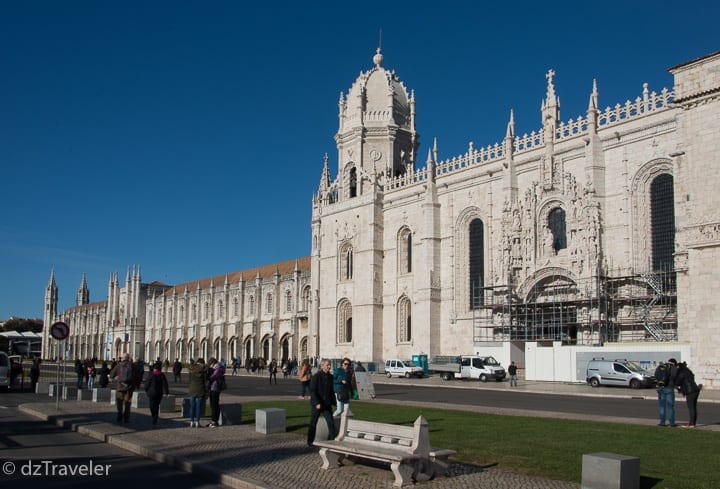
{"x":59,"y":330}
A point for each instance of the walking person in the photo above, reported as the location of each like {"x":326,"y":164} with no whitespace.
{"x":304,"y":378}
{"x":665,"y":375}
{"x":80,"y":371}
{"x":34,"y":373}
{"x":322,"y":399}
{"x":272,"y":368}
{"x":177,"y":371}
{"x":124,"y":374}
{"x":342,"y":386}
{"x":512,"y":371}
{"x":685,"y":382}
{"x":197,"y":390}
{"x":217,"y":382}
{"x":156,"y":386}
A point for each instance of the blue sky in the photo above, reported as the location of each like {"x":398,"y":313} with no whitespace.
{"x":188,"y":137}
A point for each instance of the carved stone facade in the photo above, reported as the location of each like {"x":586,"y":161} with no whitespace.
{"x":553,"y":236}
{"x":261,"y":312}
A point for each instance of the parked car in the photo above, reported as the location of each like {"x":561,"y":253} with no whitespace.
{"x":5,"y":369}
{"x":618,"y":372}
{"x":467,"y":367}
{"x":402,"y":368}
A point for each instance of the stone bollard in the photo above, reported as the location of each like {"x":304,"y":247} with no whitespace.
{"x":231,"y":414}
{"x":69,"y":392}
{"x":55,"y":389}
{"x":610,"y":471}
{"x":270,"y":420}
{"x":102,"y":394}
{"x":84,"y":394}
{"x":140,"y":400}
{"x":167,"y":404}
{"x":42,"y":388}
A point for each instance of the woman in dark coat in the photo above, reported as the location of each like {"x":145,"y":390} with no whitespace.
{"x":156,"y":386}
{"x":685,"y":383}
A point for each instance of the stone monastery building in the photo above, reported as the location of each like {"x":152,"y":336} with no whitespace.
{"x":593,"y":236}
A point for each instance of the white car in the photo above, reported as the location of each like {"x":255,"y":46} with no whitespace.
{"x":402,"y":368}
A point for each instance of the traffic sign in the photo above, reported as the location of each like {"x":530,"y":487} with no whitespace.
{"x":59,"y":330}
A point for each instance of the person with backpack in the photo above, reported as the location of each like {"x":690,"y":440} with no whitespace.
{"x":685,"y":382}
{"x":665,"y":375}
{"x":156,"y":386}
{"x":217,"y":384}
{"x":124,"y":375}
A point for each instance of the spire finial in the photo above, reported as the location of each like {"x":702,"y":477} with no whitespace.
{"x":511,"y":125}
{"x":378,"y":58}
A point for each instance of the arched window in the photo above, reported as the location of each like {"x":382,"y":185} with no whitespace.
{"x":404,"y":320}
{"x":251,"y":305}
{"x":288,"y":301}
{"x":235,"y":307}
{"x":194,"y":311}
{"x":206,"y":310}
{"x":181,"y":319}
{"x":306,"y":299}
{"x":477,"y":263}
{"x":662,"y":222}
{"x":269,"y":303}
{"x":344,"y":321}
{"x":405,"y":250}
{"x":556,"y":223}
{"x":346,"y":262}
{"x":352,"y":187}
{"x":170,"y":314}
{"x":220,"y":309}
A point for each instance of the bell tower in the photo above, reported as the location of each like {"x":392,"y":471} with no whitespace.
{"x":376,"y":139}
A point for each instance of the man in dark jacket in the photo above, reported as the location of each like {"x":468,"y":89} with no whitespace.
{"x":322,"y":400}
{"x":666,"y":392}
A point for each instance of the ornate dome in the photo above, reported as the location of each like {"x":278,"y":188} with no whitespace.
{"x":377,"y":97}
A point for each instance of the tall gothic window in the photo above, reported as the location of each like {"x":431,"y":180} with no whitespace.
{"x":251,"y":305}
{"x":662,"y":222}
{"x":181,"y":318}
{"x":306,"y":299}
{"x":288,"y":301}
{"x":344,"y":321}
{"x":556,"y":223}
{"x":353,"y":182}
{"x":220,"y":309}
{"x":269,"y":303}
{"x":235,"y":307}
{"x":206,"y":310}
{"x":477,"y":263}
{"x":346,"y":262}
{"x":404,"y":320}
{"x":405,"y":250}
{"x":194,"y":311}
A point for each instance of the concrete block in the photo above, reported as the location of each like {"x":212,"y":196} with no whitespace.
{"x":270,"y":420}
{"x":167,"y":404}
{"x":102,"y":394}
{"x":140,"y":400}
{"x":113,"y":397}
{"x":55,"y":389}
{"x":604,"y":470}
{"x":321,"y":428}
{"x":232,"y":414}
{"x":42,"y":388}
{"x":69,"y":392}
{"x":84,"y":394}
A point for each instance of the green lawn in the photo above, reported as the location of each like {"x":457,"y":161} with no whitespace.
{"x":550,"y":448}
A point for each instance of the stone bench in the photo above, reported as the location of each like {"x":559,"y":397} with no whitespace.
{"x":610,"y":471}
{"x":406,"y":448}
{"x":270,"y":420}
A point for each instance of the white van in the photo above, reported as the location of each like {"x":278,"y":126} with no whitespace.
{"x":618,"y":372}
{"x":402,"y":368}
{"x":4,"y":370}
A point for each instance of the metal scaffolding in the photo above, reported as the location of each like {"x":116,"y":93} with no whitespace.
{"x":606,"y":308}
